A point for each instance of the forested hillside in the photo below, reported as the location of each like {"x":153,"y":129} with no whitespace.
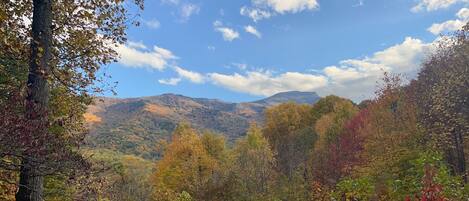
{"x":134,"y":126}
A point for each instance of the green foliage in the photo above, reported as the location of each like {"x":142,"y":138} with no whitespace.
{"x":215,"y":145}
{"x":288,"y":128}
{"x":58,"y":189}
{"x":408,"y":181}
{"x":354,"y":189}
{"x":64,"y":43}
{"x":253,"y":167}
{"x":119,"y":176}
{"x":443,"y":97}
{"x":184,"y":196}
{"x":408,"y":142}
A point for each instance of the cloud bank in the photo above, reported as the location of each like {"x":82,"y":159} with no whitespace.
{"x":264,"y":9}
{"x":136,"y":55}
{"x":451,"y":25}
{"x":351,"y":78}
{"x":433,"y":5}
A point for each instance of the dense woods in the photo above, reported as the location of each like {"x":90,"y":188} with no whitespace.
{"x":407,"y":143}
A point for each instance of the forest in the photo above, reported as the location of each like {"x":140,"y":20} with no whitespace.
{"x":409,"y":142}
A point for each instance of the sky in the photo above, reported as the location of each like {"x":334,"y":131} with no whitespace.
{"x":244,"y":50}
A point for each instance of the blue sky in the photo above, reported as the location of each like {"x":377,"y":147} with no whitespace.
{"x":248,"y":49}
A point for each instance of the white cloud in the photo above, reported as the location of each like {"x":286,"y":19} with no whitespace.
{"x":136,"y":45}
{"x":432,"y":5}
{"x":164,"y":53}
{"x":171,"y":81}
{"x":266,"y":84}
{"x":252,"y":30}
{"x":463,"y":14}
{"x":264,"y":9}
{"x":255,"y":14}
{"x":189,"y":75}
{"x":228,"y":34}
{"x":343,"y":74}
{"x":135,"y":55}
{"x":292,"y":6}
{"x":152,"y":24}
{"x":185,"y":74}
{"x":404,"y":57}
{"x":351,"y":78}
{"x":357,"y":78}
{"x":187,"y":10}
{"x":451,"y":25}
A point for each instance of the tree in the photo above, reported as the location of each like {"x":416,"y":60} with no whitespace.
{"x":392,"y":136}
{"x":331,"y":115}
{"x":64,"y":44}
{"x":253,"y":167}
{"x":215,"y":146}
{"x":31,"y":183}
{"x":289,"y":130}
{"x":187,"y":166}
{"x":443,"y":89}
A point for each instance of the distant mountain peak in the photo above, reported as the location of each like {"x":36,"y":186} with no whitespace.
{"x":293,"y":96}
{"x":295,"y":93}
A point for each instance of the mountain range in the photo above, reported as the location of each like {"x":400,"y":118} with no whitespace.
{"x":136,"y":125}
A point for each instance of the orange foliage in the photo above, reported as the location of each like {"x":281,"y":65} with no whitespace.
{"x":91,"y":118}
{"x":158,"y":109}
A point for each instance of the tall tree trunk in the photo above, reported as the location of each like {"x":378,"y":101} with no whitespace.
{"x":460,"y":166}
{"x":31,"y":181}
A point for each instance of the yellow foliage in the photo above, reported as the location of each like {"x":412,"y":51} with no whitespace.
{"x":330,"y":125}
{"x":186,"y":166}
{"x":392,"y":131}
{"x":91,"y":118}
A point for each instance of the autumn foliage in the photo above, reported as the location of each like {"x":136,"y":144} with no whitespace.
{"x":400,"y":145}
{"x":409,"y":142}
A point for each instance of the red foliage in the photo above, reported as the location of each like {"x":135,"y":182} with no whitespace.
{"x":22,"y":137}
{"x":345,"y":154}
{"x":351,"y":142}
{"x":431,"y":191}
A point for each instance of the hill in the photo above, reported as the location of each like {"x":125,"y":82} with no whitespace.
{"x":135,"y":125}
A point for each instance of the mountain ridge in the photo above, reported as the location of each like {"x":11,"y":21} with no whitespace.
{"x":134,"y":125}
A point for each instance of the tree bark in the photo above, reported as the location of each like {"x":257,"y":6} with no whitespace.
{"x":31,"y":184}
